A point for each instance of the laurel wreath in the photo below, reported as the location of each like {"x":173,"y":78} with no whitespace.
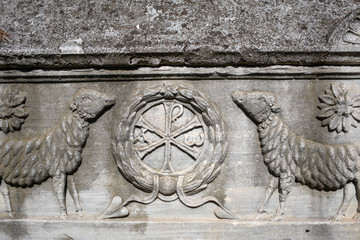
{"x":208,"y":165}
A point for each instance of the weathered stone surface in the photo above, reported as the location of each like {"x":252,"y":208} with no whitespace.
{"x":240,"y":185}
{"x":175,"y":152}
{"x":208,"y":33}
{"x":181,"y":228}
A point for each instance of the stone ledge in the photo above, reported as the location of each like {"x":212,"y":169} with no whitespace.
{"x":278,"y":72}
{"x":175,"y":229}
{"x":246,"y":57}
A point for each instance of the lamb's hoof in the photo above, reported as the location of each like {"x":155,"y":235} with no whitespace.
{"x":356,"y":217}
{"x":337,"y":217}
{"x":79,"y":212}
{"x":11,"y":214}
{"x":260,"y":214}
{"x":276,"y":218}
{"x":63,"y":216}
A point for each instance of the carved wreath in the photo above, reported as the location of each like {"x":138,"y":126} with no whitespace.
{"x":207,"y":166}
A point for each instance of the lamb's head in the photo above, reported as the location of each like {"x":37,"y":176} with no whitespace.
{"x":258,"y":105}
{"x":89,"y":104}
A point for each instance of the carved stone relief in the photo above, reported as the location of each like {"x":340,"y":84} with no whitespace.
{"x":171,"y":143}
{"x":347,"y":30}
{"x":340,"y":108}
{"x":352,"y":35}
{"x":292,"y":158}
{"x":55,"y":154}
{"x":164,"y":159}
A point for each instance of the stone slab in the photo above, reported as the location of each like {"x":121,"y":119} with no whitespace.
{"x":153,"y":33}
{"x":240,"y":184}
{"x":174,"y":229}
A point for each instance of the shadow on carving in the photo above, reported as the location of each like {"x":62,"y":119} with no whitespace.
{"x":170,"y":143}
{"x":291,"y":158}
{"x":55,"y":154}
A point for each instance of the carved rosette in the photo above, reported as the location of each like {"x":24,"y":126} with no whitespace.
{"x":170,"y":141}
{"x":339,"y":108}
{"x":12,"y":110}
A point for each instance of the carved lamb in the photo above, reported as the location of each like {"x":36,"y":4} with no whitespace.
{"x":291,"y":158}
{"x":55,"y":154}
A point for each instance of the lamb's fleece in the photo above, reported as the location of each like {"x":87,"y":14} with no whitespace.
{"x":324,"y":167}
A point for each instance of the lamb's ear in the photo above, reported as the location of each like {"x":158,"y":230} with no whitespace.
{"x":273,"y":105}
{"x":76,"y":99}
{"x":73,"y":105}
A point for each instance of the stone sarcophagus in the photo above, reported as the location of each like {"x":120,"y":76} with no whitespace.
{"x":136,"y":156}
{"x":179,"y":119}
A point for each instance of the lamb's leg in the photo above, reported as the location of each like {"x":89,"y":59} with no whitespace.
{"x":59,"y":184}
{"x":347,"y":197}
{"x":357,"y":188}
{"x":285,"y":184}
{"x":272,"y":186}
{"x":4,"y":189}
{"x":74,"y":194}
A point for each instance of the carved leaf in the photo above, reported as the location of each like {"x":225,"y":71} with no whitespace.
{"x":353,"y":94}
{"x":149,"y":93}
{"x":14,"y":124}
{"x":354,"y":123}
{"x":334,"y":123}
{"x":329,"y":100}
{"x":187,"y":93}
{"x":326,"y":112}
{"x":201,"y":102}
{"x":217,"y":152}
{"x":20,"y":112}
{"x":212,"y":115}
{"x":337,"y":90}
{"x":326,"y":121}
{"x":356,"y":114}
{"x":214,"y":174}
{"x":346,"y":124}
{"x":356,"y":103}
{"x":17,"y":100}
{"x":4,"y":126}
{"x":206,"y":119}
